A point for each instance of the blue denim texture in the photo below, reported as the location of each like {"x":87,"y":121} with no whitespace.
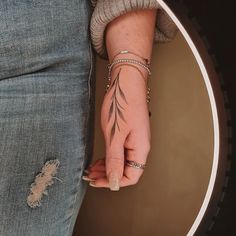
{"x":47,"y":107}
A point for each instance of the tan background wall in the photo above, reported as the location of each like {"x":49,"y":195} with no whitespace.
{"x":170,"y":192}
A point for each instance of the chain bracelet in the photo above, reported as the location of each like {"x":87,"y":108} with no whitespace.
{"x":145,"y":66}
{"x":127,"y":51}
{"x":109,"y":81}
{"x":133,"y":61}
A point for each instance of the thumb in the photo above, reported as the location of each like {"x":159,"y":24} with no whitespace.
{"x":115,"y":165}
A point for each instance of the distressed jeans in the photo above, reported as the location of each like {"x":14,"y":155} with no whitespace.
{"x":47,"y":88}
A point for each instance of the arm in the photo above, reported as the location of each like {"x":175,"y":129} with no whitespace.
{"x":127,"y":134}
{"x":106,"y":11}
{"x":133,"y":31}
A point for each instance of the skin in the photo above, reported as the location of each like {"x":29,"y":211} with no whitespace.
{"x":124,"y":113}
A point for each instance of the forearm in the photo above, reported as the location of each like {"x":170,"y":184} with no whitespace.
{"x":132,"y":31}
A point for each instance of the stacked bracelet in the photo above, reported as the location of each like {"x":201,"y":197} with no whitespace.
{"x":126,"y":51}
{"x":145,"y":65}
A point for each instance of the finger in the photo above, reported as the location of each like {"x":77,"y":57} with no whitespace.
{"x":103,"y":182}
{"x":97,"y":174}
{"x":98,"y":165}
{"x":115,"y":164}
{"x":132,"y":173}
{"x":94,"y":175}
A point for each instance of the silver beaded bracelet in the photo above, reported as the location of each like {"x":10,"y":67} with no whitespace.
{"x":124,"y":60}
{"x":109,"y":82}
{"x":145,"y":65}
{"x":146,"y":60}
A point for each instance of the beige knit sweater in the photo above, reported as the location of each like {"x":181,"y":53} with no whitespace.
{"x":104,"y":11}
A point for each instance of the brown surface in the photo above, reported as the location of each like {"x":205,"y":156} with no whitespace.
{"x":169,"y":195}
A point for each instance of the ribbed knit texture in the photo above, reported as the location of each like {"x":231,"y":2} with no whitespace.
{"x":104,"y":11}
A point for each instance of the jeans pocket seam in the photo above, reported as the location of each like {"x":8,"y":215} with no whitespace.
{"x":90,"y":70}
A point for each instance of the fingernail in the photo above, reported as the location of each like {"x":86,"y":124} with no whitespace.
{"x":114,"y":181}
{"x":86,"y":178}
{"x":92,"y":183}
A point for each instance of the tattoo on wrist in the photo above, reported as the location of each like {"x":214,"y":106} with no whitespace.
{"x":115,"y":107}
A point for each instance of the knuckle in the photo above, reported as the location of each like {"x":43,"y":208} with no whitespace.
{"x":115,"y":158}
{"x":115,"y":153}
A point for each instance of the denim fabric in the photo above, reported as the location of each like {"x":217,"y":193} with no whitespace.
{"x":47,"y":88}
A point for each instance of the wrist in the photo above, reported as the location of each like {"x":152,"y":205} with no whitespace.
{"x":129,"y":75}
{"x":130,"y":79}
{"x":129,"y":69}
{"x":129,"y":58}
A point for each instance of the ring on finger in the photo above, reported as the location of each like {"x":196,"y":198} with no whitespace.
{"x":135,"y":164}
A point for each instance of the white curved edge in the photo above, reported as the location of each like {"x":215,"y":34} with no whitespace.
{"x":214,"y":114}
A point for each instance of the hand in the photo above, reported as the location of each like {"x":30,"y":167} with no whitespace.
{"x":126,"y":128}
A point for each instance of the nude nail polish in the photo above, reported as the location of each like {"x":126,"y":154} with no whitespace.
{"x":84,"y":177}
{"x":114,"y":181}
{"x":92,"y":183}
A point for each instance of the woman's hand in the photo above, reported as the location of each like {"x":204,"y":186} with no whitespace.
{"x":126,"y":128}
{"x":124,"y":114}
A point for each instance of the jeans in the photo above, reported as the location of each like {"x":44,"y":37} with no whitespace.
{"x":47,"y":88}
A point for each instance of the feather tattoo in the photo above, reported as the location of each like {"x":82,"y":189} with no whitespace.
{"x":116,"y":107}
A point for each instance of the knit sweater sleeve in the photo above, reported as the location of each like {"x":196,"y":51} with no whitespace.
{"x":104,"y":11}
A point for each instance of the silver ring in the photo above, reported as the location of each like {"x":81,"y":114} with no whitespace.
{"x":135,"y":164}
